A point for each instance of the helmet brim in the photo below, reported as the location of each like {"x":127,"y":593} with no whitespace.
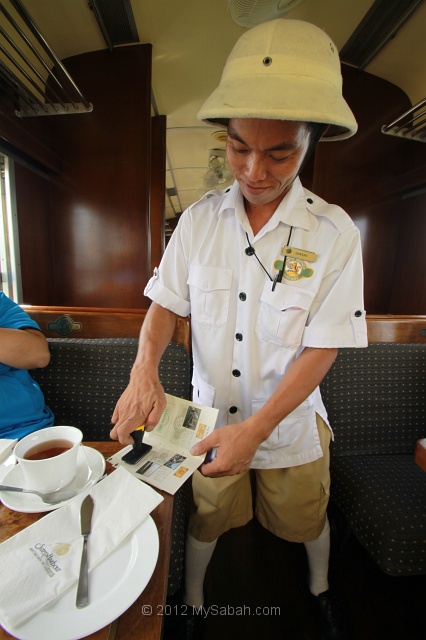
{"x":296,"y":98}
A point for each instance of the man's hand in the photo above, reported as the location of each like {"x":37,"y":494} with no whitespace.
{"x":236,"y":445}
{"x":142,"y":402}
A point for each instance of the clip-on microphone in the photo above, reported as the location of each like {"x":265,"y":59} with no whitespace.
{"x":140,"y":448}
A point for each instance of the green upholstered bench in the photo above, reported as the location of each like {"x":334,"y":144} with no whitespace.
{"x":376,"y":402}
{"x":86,"y":377}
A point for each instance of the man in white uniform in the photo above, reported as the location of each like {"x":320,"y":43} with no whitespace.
{"x":272,"y":277}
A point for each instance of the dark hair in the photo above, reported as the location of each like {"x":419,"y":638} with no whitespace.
{"x":317,"y":129}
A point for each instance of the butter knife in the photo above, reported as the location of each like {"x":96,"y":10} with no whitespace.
{"x":86,"y":511}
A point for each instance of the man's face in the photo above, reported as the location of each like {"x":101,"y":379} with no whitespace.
{"x":265,"y":157}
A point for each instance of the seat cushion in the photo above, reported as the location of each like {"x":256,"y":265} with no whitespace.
{"x":86,"y":377}
{"x":376,"y":399}
{"x":384,"y":500}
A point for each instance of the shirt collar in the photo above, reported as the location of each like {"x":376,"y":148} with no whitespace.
{"x":291,"y":210}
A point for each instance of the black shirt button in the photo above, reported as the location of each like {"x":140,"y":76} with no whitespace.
{"x":358,"y":314}
{"x":310,"y":201}
{"x":233,"y":409}
{"x":239,"y":336}
{"x":249,"y":251}
{"x":242,"y":296}
{"x":236,"y":373}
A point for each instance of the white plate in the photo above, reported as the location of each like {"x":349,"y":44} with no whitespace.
{"x":90,"y":468}
{"x":114,"y":585}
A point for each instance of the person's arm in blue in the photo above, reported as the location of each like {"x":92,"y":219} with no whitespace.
{"x":23,"y":348}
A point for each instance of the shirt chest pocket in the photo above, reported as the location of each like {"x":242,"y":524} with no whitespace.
{"x":283,"y":314}
{"x":210,"y":290}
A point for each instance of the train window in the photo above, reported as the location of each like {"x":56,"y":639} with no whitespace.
{"x":10,"y":274}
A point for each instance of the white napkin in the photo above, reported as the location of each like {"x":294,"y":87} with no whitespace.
{"x":41,"y":562}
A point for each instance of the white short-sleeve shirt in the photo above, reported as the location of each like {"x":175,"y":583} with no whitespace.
{"x":244,"y":334}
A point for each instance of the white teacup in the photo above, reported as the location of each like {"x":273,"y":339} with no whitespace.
{"x":46,"y":474}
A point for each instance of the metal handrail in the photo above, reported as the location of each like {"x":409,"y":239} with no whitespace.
{"x":410,"y":124}
{"x":59,"y":93}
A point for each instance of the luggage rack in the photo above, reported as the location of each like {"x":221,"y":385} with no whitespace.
{"x":30,"y":72}
{"x":410,"y":125}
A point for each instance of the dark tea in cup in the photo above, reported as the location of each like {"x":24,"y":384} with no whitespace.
{"x":48,"y":457}
{"x":48,"y":449}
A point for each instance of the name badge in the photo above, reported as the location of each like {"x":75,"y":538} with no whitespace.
{"x":292,"y":252}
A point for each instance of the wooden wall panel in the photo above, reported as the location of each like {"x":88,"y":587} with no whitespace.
{"x":32,"y":202}
{"x":379,"y":227}
{"x":26,"y":139}
{"x":89,"y":221}
{"x":409,"y":274}
{"x":101,"y":203}
{"x":356,"y":170}
{"x":368,"y":175}
{"x":85,"y":229}
{"x":158,"y":189}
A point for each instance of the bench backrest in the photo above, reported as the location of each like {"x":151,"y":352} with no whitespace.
{"x":87,"y":375}
{"x":87,"y":322}
{"x":376,"y":397}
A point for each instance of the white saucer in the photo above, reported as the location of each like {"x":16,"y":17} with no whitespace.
{"x":115,"y":584}
{"x":6,"y":465}
{"x":90,"y":468}
{"x":7,"y":457}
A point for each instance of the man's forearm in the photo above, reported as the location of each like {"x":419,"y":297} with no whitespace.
{"x":156,"y":333}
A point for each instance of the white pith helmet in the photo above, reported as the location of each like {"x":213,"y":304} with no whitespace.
{"x":283,"y":70}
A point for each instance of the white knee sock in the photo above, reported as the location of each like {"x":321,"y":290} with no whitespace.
{"x":318,"y":552}
{"x":197,"y":557}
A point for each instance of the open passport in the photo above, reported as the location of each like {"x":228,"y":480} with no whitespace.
{"x":169,"y":464}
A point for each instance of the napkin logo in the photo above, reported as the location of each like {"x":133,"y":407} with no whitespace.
{"x":46,"y":559}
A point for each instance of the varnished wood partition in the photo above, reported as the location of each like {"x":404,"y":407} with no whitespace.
{"x":375,"y":178}
{"x":90,"y":190}
{"x":85,"y":229}
{"x":86,"y":322}
{"x":157,"y":221}
{"x":83,"y":322}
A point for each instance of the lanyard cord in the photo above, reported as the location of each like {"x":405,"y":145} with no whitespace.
{"x":252,"y":252}
{"x":285,"y":257}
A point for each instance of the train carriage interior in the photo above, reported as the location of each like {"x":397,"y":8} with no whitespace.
{"x":101,"y":152}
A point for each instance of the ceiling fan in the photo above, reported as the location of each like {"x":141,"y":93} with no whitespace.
{"x":219,"y":172}
{"x":248,"y":13}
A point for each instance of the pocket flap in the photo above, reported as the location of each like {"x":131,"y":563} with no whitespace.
{"x":209,"y":278}
{"x":285,"y":297}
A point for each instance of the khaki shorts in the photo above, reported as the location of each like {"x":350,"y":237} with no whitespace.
{"x":291,"y":502}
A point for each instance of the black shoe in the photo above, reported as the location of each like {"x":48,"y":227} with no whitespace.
{"x":195,"y":623}
{"x":182,"y":621}
{"x":330,"y":612}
